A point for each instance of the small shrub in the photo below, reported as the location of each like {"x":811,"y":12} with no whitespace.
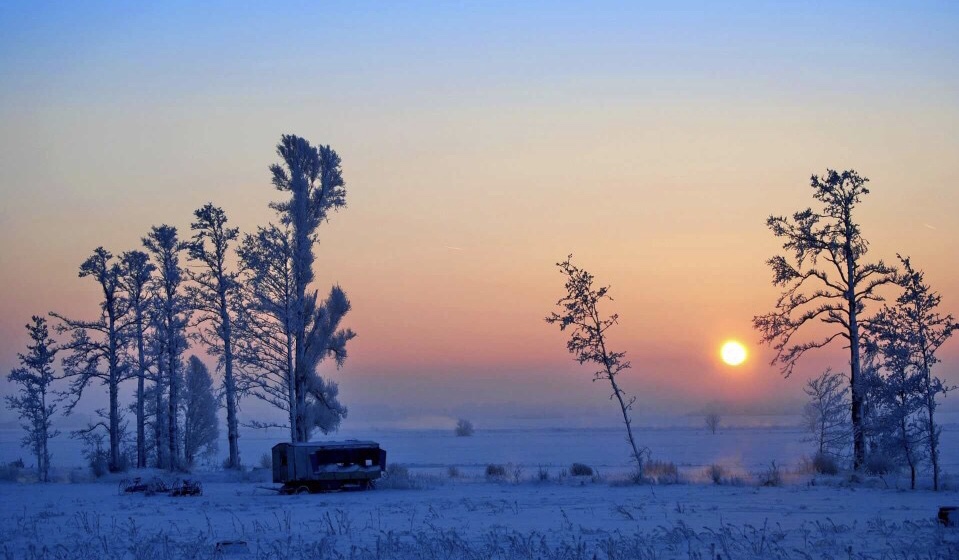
{"x":662,"y":472}
{"x":579,"y":469}
{"x":825,"y":464}
{"x":879,"y":464}
{"x":10,"y":472}
{"x":266,"y":461}
{"x":542,"y":474}
{"x":464,"y":428}
{"x":396,"y":477}
{"x":495,"y":471}
{"x":453,"y":471}
{"x":772,"y":476}
{"x":716,"y":473}
{"x":515,"y":472}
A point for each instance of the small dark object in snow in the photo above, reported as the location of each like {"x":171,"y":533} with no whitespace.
{"x":154,"y":486}
{"x":187,"y":487}
{"x":949,"y":516}
{"x":232,"y":548}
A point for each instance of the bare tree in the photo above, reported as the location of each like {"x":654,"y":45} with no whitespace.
{"x":835,"y":293}
{"x":214,"y":294}
{"x":464,"y":428}
{"x":171,"y":318}
{"x":579,"y":312}
{"x":135,"y":274}
{"x":712,"y":420}
{"x":825,"y":415}
{"x":34,"y":378}
{"x":909,"y":335}
{"x":200,"y":424}
{"x":101,"y":356}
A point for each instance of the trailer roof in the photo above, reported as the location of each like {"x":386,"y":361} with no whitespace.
{"x":332,"y":444}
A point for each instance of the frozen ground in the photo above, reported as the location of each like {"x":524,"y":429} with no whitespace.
{"x":433,"y":515}
{"x":470,"y":517}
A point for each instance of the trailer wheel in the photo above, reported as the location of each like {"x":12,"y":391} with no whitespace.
{"x":303,"y":490}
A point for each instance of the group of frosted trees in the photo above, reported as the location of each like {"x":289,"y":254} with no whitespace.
{"x":884,"y":405}
{"x":248,"y":301}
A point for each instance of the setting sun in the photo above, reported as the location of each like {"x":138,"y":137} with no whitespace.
{"x":733,"y":353}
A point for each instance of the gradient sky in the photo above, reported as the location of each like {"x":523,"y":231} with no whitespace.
{"x":482,"y":143}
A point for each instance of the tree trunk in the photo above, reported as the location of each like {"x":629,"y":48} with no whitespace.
{"x":231,"y":422}
{"x":141,"y":374}
{"x":855,"y":365}
{"x":114,"y":374}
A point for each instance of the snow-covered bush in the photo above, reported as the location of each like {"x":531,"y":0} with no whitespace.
{"x":542,"y":474}
{"x":579,"y":469}
{"x":266,"y":461}
{"x":880,"y":464}
{"x":453,"y":471}
{"x":10,"y":472}
{"x":464,"y":428}
{"x":396,"y":477}
{"x":824,"y":463}
{"x":494,"y":471}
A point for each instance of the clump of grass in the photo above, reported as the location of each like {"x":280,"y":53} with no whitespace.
{"x":453,"y":471}
{"x":579,"y":469}
{"x":542,"y":474}
{"x":716,"y":473}
{"x":661,"y":472}
{"x":772,"y":476}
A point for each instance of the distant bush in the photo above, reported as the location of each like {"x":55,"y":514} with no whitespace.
{"x":579,"y":469}
{"x":879,"y":464}
{"x":10,"y":472}
{"x":542,"y":474}
{"x":825,"y":464}
{"x":266,"y":461}
{"x":464,"y":428}
{"x":495,"y":471}
{"x":716,"y":473}
{"x":772,"y":476}
{"x":661,"y":472}
{"x":453,"y":471}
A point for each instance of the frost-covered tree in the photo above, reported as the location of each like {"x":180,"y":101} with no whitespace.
{"x":214,"y":295}
{"x":33,"y":400}
{"x":712,"y":420}
{"x":579,"y":312}
{"x":200,"y":424}
{"x":313,"y":178}
{"x":97,"y":348}
{"x":136,"y":271}
{"x":265,"y":324}
{"x":825,"y":415}
{"x":171,"y":315}
{"x":909,"y":335}
{"x":826,"y":281}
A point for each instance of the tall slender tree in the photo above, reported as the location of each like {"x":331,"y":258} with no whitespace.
{"x":826,"y":282}
{"x":910,"y":334}
{"x":101,"y":356}
{"x":214,"y":294}
{"x":313,"y":177}
{"x":172,"y":316}
{"x":33,"y":402}
{"x":579,"y":312}
{"x":136,"y":270}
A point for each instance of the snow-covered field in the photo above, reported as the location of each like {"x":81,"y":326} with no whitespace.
{"x":435,"y":515}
